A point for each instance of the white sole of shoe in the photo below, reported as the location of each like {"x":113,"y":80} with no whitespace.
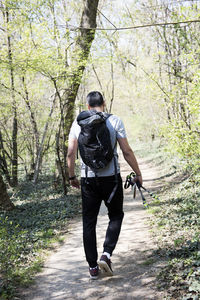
{"x":105,"y":268}
{"x":94,"y":277}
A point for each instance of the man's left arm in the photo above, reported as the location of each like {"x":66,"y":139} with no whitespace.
{"x":130,"y":157}
{"x":71,"y":157}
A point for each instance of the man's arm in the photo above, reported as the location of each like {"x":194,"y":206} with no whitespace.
{"x":130,"y":157}
{"x":71,"y":157}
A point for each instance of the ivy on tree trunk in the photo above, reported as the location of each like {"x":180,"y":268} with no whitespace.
{"x":79,"y":61}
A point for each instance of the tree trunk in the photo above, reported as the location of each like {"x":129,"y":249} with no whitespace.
{"x":3,"y":162}
{"x":82,"y":50}
{"x":62,"y":167}
{"x":5,"y":202}
{"x":14,"y":107}
{"x":79,"y":61}
{"x":40,"y":151}
{"x":32,"y":118}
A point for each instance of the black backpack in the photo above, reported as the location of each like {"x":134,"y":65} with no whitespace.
{"x":94,"y":141}
{"x":95,"y":144}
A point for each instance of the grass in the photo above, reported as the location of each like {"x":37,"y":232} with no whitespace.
{"x":148,"y":262}
{"x":38,"y":224}
{"x":176,"y":224}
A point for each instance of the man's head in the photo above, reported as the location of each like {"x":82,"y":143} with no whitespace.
{"x":95,"y":99}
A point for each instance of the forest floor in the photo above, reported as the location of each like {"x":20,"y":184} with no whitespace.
{"x":65,"y":273}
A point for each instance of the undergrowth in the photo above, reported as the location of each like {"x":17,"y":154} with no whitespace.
{"x":176,"y":224}
{"x":37,"y":223}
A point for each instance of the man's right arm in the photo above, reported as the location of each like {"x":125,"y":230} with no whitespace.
{"x":71,"y":157}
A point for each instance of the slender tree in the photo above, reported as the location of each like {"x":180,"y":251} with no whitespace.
{"x":14,"y":104}
{"x":82,"y":50}
{"x":5,"y":202}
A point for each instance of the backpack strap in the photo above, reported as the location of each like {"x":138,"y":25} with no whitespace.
{"x":86,"y":174}
{"x":116,"y":182}
{"x":105,"y":116}
{"x":115,"y":166}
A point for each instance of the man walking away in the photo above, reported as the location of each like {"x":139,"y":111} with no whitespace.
{"x":100,"y":184}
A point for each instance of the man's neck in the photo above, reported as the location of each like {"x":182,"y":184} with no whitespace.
{"x":98,"y":108}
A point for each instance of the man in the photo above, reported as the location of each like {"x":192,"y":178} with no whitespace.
{"x":98,"y":187}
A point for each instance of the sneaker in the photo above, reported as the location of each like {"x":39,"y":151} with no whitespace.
{"x":105,"y":265}
{"x":94,"y":272}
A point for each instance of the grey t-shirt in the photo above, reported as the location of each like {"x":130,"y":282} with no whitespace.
{"x":117,"y":130}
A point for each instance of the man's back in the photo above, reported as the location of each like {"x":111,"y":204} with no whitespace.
{"x":117,"y":130}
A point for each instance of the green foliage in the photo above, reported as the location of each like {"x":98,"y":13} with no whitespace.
{"x":12,"y":248}
{"x":176,"y":224}
{"x":148,"y":262}
{"x":183,"y":136}
{"x":40,"y":52}
{"x":38,"y":221}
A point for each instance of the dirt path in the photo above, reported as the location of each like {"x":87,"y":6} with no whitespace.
{"x":65,"y":275}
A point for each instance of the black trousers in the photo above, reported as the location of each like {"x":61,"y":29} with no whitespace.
{"x":93,"y":192}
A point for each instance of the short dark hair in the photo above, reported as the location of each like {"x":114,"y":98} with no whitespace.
{"x":95,"y":99}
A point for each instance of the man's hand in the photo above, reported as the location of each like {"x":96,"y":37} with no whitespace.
{"x":138,"y":178}
{"x":75,"y":183}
